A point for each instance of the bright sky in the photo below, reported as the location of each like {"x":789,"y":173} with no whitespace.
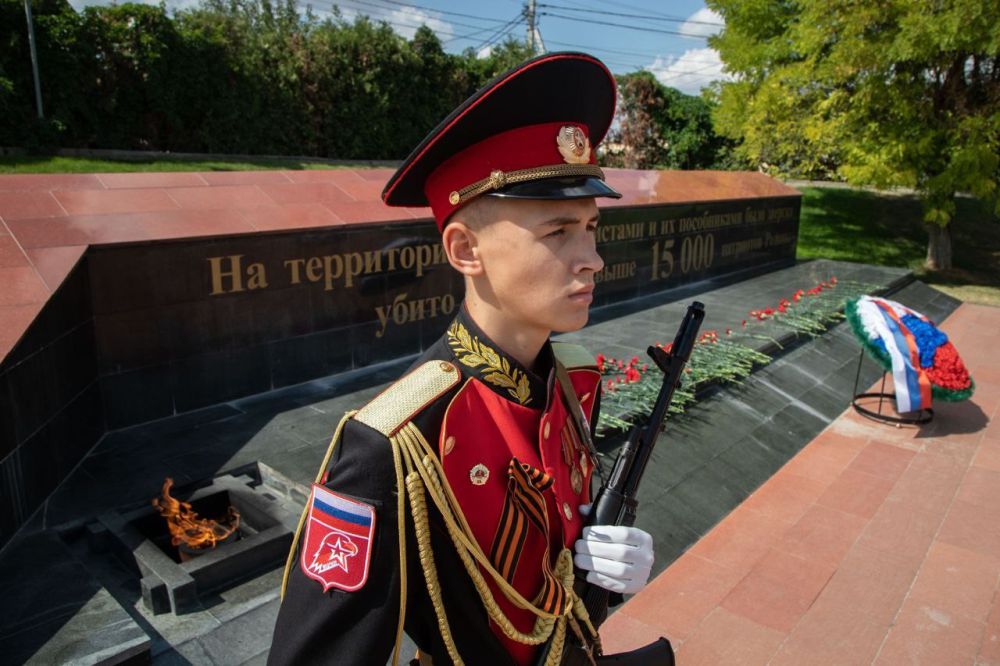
{"x":667,"y":38}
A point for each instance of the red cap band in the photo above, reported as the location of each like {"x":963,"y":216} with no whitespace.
{"x":527,"y":147}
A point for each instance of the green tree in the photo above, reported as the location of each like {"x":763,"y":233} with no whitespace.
{"x":56,"y":28}
{"x":662,"y":127}
{"x":692,"y":143}
{"x":230,"y":76}
{"x":638,"y":143}
{"x":877,"y":92}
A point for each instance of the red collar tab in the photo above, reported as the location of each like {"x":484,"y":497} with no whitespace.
{"x":546,"y":150}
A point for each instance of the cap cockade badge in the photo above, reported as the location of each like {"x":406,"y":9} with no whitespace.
{"x":573,"y":145}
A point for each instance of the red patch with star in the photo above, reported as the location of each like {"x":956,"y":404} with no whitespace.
{"x":336,"y":550}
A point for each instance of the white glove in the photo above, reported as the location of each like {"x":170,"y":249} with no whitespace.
{"x":616,"y":558}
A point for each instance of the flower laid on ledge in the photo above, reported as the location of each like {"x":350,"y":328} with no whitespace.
{"x":630,"y":389}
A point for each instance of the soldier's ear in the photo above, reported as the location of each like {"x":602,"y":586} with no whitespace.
{"x":461,"y":245}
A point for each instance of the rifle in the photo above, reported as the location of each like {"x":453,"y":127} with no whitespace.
{"x":616,"y":501}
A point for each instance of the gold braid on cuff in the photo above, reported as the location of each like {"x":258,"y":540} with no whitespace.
{"x":500,"y":179}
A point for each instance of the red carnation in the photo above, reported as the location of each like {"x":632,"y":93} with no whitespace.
{"x":948,"y":370}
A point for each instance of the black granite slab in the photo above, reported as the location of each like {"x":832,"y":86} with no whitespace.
{"x":56,"y":612}
{"x":204,"y":321}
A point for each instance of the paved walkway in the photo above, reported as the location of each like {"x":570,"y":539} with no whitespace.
{"x":873,"y":545}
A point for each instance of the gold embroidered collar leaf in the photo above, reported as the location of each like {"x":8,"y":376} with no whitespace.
{"x":493,"y":367}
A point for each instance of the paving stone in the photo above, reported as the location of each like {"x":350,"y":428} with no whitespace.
{"x":777,"y":440}
{"x":746,"y":641}
{"x":242,"y":638}
{"x":785,"y":497}
{"x":184,"y":654}
{"x":790,"y":377}
{"x":676,"y":458}
{"x":822,"y":535}
{"x":754,"y":461}
{"x":257,"y":660}
{"x":673,"y":527}
{"x":817,"y":358}
{"x":99,"y":632}
{"x":725,"y":414}
{"x":857,"y":492}
{"x":239,"y":600}
{"x":77,"y":621}
{"x":779,"y":590}
{"x":708,"y":494}
{"x":956,"y":581}
{"x":183,"y":422}
{"x":826,"y":400}
{"x":308,"y":424}
{"x":758,"y":396}
{"x":924,"y":635}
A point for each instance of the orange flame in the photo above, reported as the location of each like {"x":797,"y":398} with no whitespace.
{"x":185,"y":525}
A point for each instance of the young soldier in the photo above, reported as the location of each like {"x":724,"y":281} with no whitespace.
{"x":450,"y":505}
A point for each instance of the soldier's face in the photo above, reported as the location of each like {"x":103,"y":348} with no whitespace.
{"x":539,"y":259}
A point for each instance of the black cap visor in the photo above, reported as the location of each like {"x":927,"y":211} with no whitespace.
{"x":558,"y":188}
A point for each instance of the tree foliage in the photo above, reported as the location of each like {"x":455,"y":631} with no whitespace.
{"x":230,"y":76}
{"x":662,"y":127}
{"x":877,"y":92}
{"x":637,"y":142}
{"x":263,"y":77}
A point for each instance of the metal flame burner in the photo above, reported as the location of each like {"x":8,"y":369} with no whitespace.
{"x":171,"y":585}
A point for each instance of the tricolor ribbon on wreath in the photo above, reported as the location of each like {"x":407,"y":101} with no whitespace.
{"x":923,"y":362}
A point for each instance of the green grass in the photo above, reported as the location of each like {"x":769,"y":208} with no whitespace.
{"x":887,"y":230}
{"x":51,"y":164}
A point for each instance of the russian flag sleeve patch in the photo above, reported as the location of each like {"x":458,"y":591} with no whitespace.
{"x":336,"y":551}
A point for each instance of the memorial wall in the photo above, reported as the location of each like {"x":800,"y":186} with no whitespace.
{"x":167,"y":293}
{"x":182,"y":325}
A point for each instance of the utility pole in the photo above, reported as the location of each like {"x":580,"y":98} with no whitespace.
{"x":530,"y":14}
{"x":34,"y":59}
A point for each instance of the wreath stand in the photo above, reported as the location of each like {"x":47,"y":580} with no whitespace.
{"x":920,"y":417}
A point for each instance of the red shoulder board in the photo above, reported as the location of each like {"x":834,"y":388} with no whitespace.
{"x":337,"y":547}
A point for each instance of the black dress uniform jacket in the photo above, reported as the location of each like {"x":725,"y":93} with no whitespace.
{"x":348,"y":628}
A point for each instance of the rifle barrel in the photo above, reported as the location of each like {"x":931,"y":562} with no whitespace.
{"x":672,"y":364}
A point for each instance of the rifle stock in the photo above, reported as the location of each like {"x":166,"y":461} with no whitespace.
{"x":616,"y":502}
